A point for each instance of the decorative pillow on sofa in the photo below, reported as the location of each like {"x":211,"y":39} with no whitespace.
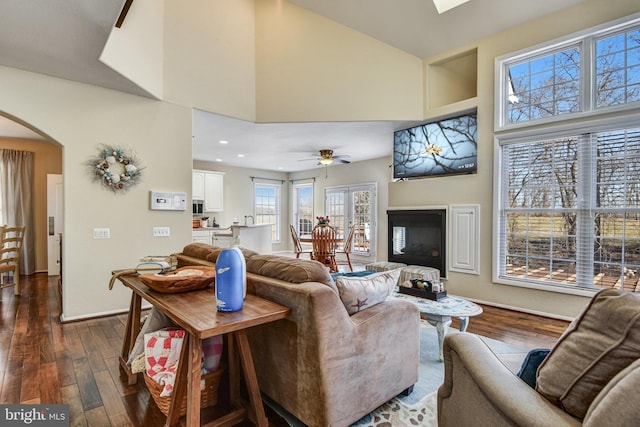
{"x":530,"y":364}
{"x":602,"y":341}
{"x":290,"y":269}
{"x":360,"y":293}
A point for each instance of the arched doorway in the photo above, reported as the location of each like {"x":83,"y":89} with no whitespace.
{"x":47,"y":155}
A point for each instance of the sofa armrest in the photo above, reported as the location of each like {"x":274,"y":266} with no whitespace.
{"x":477,"y":386}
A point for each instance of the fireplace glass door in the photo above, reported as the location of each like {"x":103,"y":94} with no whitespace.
{"x":418,"y":237}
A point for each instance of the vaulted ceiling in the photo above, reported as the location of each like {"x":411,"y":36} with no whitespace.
{"x":65,"y":39}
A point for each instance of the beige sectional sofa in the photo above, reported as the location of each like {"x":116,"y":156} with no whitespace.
{"x":324,"y":366}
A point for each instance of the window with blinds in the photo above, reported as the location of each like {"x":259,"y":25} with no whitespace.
{"x":567,"y":205}
{"x":570,"y":210}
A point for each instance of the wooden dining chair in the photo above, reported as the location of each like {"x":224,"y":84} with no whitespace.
{"x":346,"y":250}
{"x":11,"y":239}
{"x":297,"y":245}
{"x":325,"y":245}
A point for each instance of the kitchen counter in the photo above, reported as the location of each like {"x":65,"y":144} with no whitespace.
{"x":255,"y":237}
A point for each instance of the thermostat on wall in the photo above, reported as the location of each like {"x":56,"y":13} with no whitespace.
{"x":168,"y":201}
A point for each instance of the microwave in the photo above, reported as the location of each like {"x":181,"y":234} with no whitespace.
{"x":198,"y":207}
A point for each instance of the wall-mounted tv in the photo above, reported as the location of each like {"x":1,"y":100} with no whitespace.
{"x":443,"y":147}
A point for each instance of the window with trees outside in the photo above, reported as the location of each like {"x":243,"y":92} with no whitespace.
{"x":303,"y":209}
{"x":567,"y":209}
{"x":267,"y":207}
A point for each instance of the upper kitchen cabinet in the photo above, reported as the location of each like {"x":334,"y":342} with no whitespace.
{"x":213,"y":191}
{"x":197,"y":185}
{"x":208,"y":186}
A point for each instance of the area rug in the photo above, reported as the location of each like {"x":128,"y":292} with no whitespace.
{"x":396,"y":413}
{"x":419,"y":407}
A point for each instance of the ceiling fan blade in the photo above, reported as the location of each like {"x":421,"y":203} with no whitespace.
{"x":342,"y":156}
{"x":337,"y":160}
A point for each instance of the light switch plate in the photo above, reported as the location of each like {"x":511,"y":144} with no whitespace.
{"x":101,"y":233}
{"x":161,"y":231}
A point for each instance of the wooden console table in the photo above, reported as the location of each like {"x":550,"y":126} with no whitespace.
{"x":196,"y":313}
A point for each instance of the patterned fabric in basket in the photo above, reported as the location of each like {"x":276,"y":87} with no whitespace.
{"x":162,"y":354}
{"x":211,"y":354}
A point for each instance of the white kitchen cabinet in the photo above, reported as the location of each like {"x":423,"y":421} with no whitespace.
{"x":202,"y":236}
{"x":197,"y":185}
{"x":208,"y":186}
{"x":213,"y":191}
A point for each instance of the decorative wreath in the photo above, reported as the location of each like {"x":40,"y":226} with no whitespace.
{"x":115,"y":169}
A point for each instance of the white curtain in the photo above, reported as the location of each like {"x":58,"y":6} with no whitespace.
{"x":16,"y":185}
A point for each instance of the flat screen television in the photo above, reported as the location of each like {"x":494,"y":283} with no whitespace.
{"x":443,"y":147}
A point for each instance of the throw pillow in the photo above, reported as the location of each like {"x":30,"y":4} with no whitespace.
{"x":602,"y":341}
{"x":360,"y":293}
{"x":362,"y":273}
{"x":530,"y":365}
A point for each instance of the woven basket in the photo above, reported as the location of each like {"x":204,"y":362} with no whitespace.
{"x":208,"y":396}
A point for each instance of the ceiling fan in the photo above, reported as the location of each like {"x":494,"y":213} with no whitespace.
{"x":326,"y":158}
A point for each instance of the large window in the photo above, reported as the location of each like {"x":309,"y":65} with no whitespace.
{"x":267,"y":207}
{"x":567,"y":208}
{"x":578,"y":76}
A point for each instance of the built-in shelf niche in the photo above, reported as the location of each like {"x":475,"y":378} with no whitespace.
{"x":452,"y":79}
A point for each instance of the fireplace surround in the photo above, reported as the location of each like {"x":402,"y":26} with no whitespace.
{"x":418,"y":237}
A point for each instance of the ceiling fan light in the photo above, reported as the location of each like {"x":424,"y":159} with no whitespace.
{"x":326,"y":161}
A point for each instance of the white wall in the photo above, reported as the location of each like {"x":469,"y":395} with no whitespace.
{"x":309,"y":68}
{"x":135,"y":50}
{"x":81,"y":117}
{"x":209,"y":56}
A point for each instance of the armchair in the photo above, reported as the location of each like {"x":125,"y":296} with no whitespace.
{"x":590,"y":377}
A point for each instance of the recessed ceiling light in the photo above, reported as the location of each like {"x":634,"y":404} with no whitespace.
{"x":240,"y":155}
{"x":218,"y":160}
{"x":280,"y":168}
{"x":224,"y":142}
{"x":443,"y":5}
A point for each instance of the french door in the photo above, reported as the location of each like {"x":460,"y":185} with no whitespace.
{"x":354,"y":206}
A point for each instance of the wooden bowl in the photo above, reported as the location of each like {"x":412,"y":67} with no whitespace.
{"x":184,"y":279}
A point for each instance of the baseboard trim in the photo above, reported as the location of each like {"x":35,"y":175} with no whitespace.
{"x":520,"y":309}
{"x":72,"y":319}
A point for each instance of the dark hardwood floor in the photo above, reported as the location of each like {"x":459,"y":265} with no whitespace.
{"x":44,"y":361}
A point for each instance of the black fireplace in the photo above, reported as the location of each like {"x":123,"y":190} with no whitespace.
{"x":418,"y":237}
